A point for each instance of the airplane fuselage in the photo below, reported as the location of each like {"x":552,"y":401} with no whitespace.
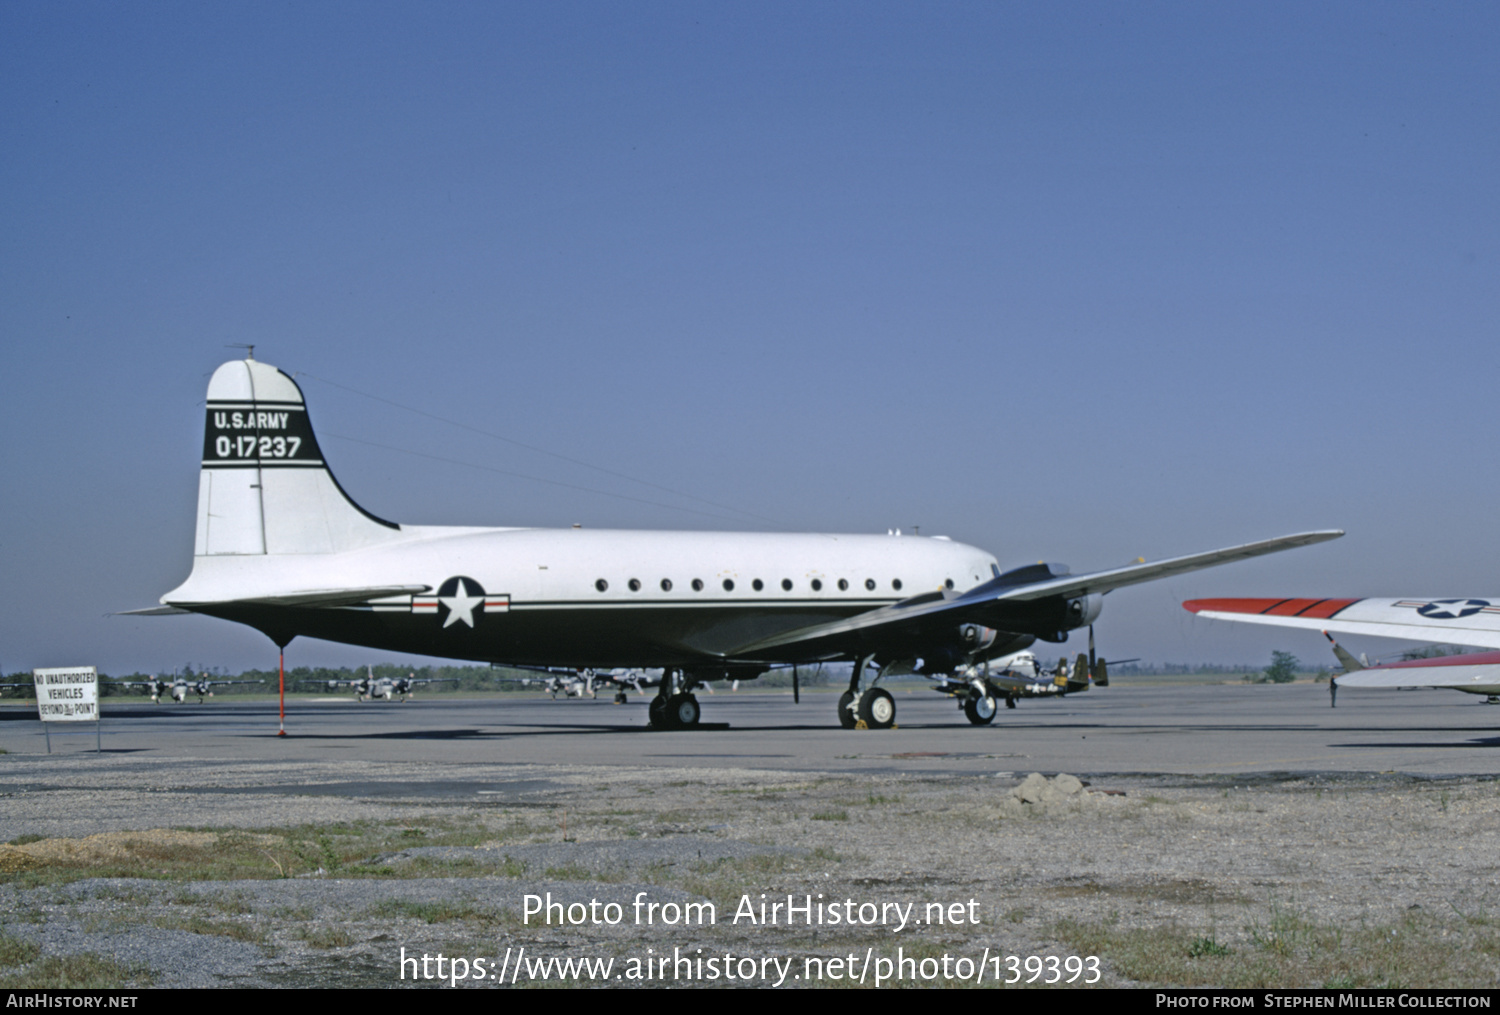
{"x":590,"y":597}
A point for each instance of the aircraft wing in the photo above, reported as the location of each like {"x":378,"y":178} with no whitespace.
{"x":1455,"y":621}
{"x":1012,"y":598}
{"x":1478,"y":673}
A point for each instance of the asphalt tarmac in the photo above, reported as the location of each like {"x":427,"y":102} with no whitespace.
{"x":1190,"y":730}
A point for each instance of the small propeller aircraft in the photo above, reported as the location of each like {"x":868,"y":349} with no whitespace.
{"x":369,"y":687}
{"x":178,"y":688}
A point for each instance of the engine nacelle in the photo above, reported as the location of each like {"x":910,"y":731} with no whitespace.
{"x":1085,"y":610}
{"x":976,"y":638}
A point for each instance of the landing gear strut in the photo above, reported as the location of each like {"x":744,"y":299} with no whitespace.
{"x":674,"y":707}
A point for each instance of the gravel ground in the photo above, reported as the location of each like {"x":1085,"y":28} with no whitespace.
{"x":448,"y":868}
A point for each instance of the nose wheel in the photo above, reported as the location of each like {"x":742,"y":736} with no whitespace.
{"x":980,"y":709}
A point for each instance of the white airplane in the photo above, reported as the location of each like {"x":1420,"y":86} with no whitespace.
{"x":1455,"y":621}
{"x":282,"y":548}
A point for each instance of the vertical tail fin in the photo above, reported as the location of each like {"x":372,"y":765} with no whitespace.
{"x":265,"y":488}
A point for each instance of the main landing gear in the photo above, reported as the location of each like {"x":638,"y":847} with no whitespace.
{"x":874,"y":707}
{"x":674,"y":707}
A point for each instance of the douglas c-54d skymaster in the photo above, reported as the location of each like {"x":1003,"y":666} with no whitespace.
{"x":282,"y":548}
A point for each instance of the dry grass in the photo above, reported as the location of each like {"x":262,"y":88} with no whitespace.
{"x":83,"y":971}
{"x":1286,"y":949}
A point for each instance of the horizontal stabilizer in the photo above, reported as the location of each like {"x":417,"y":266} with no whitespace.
{"x":152,"y":611}
{"x":320,"y":598}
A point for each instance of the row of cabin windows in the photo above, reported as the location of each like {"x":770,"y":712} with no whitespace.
{"x":786,"y":584}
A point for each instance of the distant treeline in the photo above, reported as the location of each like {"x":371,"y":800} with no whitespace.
{"x":299,"y":679}
{"x":1147,"y":669}
{"x":503,"y":678}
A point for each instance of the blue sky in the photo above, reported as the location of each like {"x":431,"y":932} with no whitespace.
{"x":1079,"y":282}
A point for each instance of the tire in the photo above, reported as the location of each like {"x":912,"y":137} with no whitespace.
{"x":981,"y":709}
{"x":620,"y":698}
{"x":877,"y":709}
{"x":683,"y":711}
{"x":846,"y":710}
{"x":658,"y":713}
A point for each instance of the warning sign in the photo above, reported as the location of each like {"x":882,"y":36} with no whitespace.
{"x":68,"y":694}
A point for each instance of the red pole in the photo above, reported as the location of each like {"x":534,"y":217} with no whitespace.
{"x":281,"y":687}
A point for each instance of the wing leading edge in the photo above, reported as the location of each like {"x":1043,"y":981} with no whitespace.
{"x":1012,"y":595}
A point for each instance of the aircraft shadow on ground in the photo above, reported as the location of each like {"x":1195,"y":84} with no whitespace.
{"x":1484,"y":742}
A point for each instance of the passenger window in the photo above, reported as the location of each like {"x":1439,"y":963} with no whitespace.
{"x":843,"y":584}
{"x":870,"y":584}
{"x":786,"y":585}
{"x":728,"y":584}
{"x":896,"y":584}
{"x":635,"y":584}
{"x":666,"y":585}
{"x":697,"y":584}
{"x":601,"y":584}
{"x":757,"y":585}
{"x":817,"y":585}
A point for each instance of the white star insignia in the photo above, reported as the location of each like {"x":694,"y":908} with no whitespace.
{"x":460,"y":606}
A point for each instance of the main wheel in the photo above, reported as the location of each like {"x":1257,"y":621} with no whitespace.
{"x":877,"y":709}
{"x":620,"y":698}
{"x":658,"y":713}
{"x":1010,"y":702}
{"x":683,"y":711}
{"x":981,"y":708}
{"x":846,"y":710}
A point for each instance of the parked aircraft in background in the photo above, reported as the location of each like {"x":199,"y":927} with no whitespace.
{"x":154,"y":687}
{"x":369,"y":687}
{"x":1453,"y":621}
{"x":980,"y":688}
{"x":282,"y":548}
{"x":178,"y":688}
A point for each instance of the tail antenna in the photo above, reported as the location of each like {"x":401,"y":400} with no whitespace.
{"x":249,"y":349}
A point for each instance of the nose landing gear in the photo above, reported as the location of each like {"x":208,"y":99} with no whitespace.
{"x":674,"y":708}
{"x":980,"y":707}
